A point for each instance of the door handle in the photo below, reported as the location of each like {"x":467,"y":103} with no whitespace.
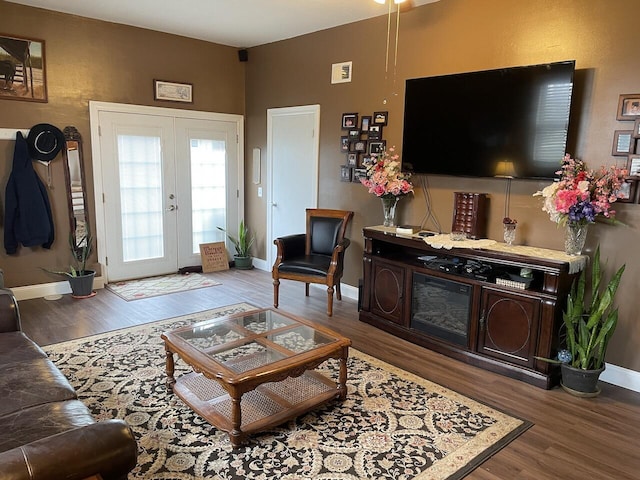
{"x":172,"y":208}
{"x":274,"y":204}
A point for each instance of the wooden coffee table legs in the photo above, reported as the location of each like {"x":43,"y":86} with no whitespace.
{"x":236,"y":436}
{"x":169,"y":369}
{"x":342,"y":379}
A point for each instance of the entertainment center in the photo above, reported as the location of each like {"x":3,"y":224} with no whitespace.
{"x":449,"y":301}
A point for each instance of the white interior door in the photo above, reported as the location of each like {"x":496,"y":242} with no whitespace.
{"x":163,"y":184}
{"x":293,"y":148}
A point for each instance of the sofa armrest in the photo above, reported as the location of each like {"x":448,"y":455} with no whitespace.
{"x":106,"y":448}
{"x":9,"y":313}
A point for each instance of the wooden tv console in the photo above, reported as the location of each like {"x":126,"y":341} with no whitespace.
{"x":507,"y":326}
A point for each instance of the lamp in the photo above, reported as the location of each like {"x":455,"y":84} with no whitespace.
{"x":505,"y":169}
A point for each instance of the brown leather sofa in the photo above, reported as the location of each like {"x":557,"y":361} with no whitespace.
{"x":45,"y":431}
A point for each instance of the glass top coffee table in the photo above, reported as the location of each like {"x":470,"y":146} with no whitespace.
{"x":255,"y":370}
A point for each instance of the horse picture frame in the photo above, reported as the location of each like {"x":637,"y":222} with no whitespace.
{"x":22,"y":69}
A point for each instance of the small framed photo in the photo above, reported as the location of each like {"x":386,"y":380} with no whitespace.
{"x":628,"y":106}
{"x":360,"y":146}
{"x":365,"y":123}
{"x":349,"y":121}
{"x":341,"y":72}
{"x":380,"y":118}
{"x":354,"y":134}
{"x":636,"y":129}
{"x":352,"y":159}
{"x":345,"y":173}
{"x":376,"y":147}
{"x":22,"y":69}
{"x":375,"y":132}
{"x":623,"y":142}
{"x":627,"y":192}
{"x":633,"y":165}
{"x":358,"y":174}
{"x":173,"y":91}
{"x":344,"y":144}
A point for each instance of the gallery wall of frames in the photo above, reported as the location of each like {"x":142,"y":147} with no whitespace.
{"x":362,"y":138}
{"x":626,"y":143}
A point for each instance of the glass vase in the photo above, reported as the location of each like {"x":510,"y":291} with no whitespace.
{"x":575,"y":237}
{"x":509,"y":233}
{"x":389,"y":205}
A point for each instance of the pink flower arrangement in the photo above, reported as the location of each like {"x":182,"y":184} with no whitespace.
{"x":384,"y":177}
{"x":582,"y":195}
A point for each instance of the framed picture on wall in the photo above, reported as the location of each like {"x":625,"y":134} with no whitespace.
{"x":173,"y":91}
{"x":365,"y":123}
{"x":344,"y":144}
{"x":349,"y":121}
{"x":352,"y":159}
{"x":345,"y":173}
{"x":633,"y":165}
{"x":627,"y":192}
{"x":360,"y":146}
{"x":376,"y":147}
{"x":380,"y":118}
{"x":375,"y":132}
{"x":23,"y":74}
{"x":354,"y":134}
{"x":628,"y":106}
{"x":623,"y":142}
{"x":359,"y":173}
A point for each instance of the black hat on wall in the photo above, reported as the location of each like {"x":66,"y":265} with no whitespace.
{"x":44,"y":141}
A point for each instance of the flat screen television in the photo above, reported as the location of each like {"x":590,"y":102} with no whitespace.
{"x":505,"y":122}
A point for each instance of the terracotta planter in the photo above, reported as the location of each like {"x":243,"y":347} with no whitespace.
{"x":579,"y":382}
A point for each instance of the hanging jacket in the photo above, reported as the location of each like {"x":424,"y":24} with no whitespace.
{"x":28,"y":218}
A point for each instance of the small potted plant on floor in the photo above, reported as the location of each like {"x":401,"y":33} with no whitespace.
{"x":79,"y":277}
{"x":242,"y":244}
{"x":589,"y":324}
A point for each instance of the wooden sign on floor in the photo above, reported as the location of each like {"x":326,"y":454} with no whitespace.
{"x":214,"y":257}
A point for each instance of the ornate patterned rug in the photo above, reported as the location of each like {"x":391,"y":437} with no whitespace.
{"x":393,"y":424}
{"x":154,"y":286}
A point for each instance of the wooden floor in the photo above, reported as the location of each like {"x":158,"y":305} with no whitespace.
{"x":572,"y":438}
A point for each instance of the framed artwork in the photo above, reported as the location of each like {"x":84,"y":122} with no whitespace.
{"x":375,"y":132}
{"x":341,"y":72}
{"x":636,"y":128}
{"x":172,"y":91}
{"x":345,"y":173}
{"x":352,"y":159}
{"x":360,"y":146}
{"x":354,"y":134}
{"x":376,"y":147}
{"x":628,"y":106}
{"x":633,"y":165}
{"x":380,"y":118}
{"x":622,"y":142}
{"x":344,"y":144}
{"x":23,"y":74}
{"x":349,"y":121}
{"x":359,"y":173}
{"x":627,"y":192}
{"x":365,"y":123}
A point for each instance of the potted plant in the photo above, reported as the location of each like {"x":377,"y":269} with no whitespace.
{"x":80,"y":279}
{"x":242,"y":244}
{"x":589,"y":324}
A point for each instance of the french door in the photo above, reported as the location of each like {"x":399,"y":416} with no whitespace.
{"x":167,"y":180}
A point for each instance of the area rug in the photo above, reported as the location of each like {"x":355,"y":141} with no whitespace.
{"x":392,"y":425}
{"x":154,"y":286}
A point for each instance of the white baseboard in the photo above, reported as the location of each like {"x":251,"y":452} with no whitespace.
{"x":45,"y":289}
{"x":622,"y":377}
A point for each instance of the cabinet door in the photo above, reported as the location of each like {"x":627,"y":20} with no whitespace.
{"x":387,"y":291}
{"x":509,"y":326}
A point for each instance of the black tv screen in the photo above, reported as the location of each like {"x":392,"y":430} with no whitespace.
{"x":510,"y":121}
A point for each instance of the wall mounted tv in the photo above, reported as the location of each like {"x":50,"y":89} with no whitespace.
{"x":510,"y":121}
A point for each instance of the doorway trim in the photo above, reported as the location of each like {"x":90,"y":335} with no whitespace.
{"x":96,"y":158}
{"x":289,"y":111}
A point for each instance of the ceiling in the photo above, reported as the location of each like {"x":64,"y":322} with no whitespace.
{"x":237,"y":23}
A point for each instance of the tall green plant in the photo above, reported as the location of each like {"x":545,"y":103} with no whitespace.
{"x":243,"y":241}
{"x":590,"y":324}
{"x":80,"y":257}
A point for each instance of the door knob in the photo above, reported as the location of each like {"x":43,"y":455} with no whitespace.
{"x":171,"y":208}
{"x":274,"y":204}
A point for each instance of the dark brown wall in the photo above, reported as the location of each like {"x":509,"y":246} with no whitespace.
{"x":458,"y":36}
{"x":92,"y":60}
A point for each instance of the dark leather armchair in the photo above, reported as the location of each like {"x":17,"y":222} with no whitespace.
{"x":314,"y":257}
